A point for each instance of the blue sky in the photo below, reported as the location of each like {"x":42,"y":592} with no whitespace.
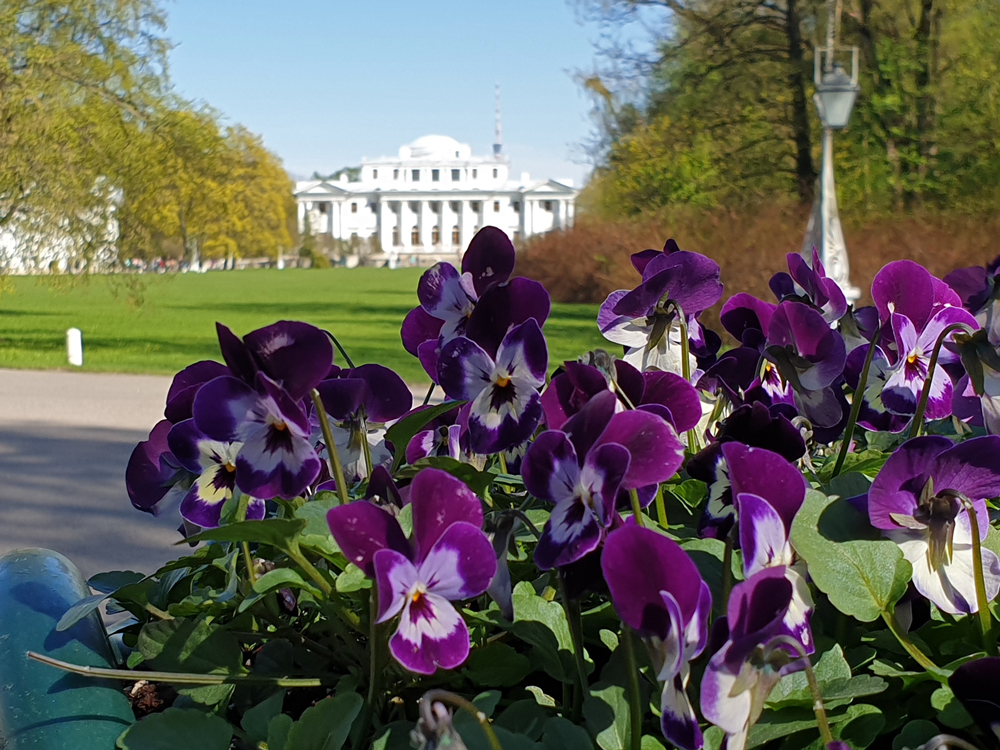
{"x":327,"y":82}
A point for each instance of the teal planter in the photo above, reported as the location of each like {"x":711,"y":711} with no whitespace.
{"x":43,"y":708}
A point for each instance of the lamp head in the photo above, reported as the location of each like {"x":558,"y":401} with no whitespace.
{"x":836,"y":92}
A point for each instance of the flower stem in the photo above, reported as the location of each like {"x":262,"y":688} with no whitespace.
{"x":342,"y":350}
{"x":858,"y":398}
{"x":336,"y":468}
{"x":636,"y":508}
{"x":430,"y":392}
{"x":374,"y":659}
{"x":727,"y":570}
{"x":363,"y":429}
{"x":692,"y":437}
{"x":241,"y":515}
{"x":448,"y":698}
{"x":575,"y":620}
{"x":184,"y":678}
{"x":332,"y":597}
{"x":661,"y":508}
{"x":925,"y":394}
{"x":634,"y":694}
{"x":985,"y":620}
{"x":912,"y":649}
{"x":819,"y":709}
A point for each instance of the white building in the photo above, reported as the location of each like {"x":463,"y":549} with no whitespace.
{"x":431,"y":199}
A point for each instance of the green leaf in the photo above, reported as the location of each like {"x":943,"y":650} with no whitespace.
{"x":256,"y":720}
{"x":110,"y":582}
{"x":316,"y":535}
{"x":209,"y":695}
{"x":177,"y":729}
{"x":326,"y":725}
{"x":651,"y":743}
{"x":477,"y":481}
{"x":106,"y":584}
{"x":276,"y":532}
{"x":284,"y":578}
{"x":915,"y":734}
{"x":691,"y":493}
{"x":708,"y":555}
{"x":543,"y":624}
{"x":277,"y":732}
{"x":395,"y":736}
{"x":951,"y":713}
{"x":80,"y":610}
{"x":606,"y":713}
{"x":352,"y":579}
{"x":541,"y":697}
{"x":525,"y":717}
{"x":860,"y":727}
{"x":402,"y":432}
{"x":562,"y":734}
{"x":183,"y":645}
{"x":848,"y":485}
{"x":793,"y":689}
{"x":863,"y":578}
{"x":497,"y":664}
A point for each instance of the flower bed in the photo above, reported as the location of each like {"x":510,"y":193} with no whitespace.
{"x":787,"y":543}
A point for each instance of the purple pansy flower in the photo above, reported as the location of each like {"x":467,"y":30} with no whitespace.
{"x":916,"y":500}
{"x":448,"y":559}
{"x":810,"y":284}
{"x":751,"y":662}
{"x":506,"y":405}
{"x":581,"y":468}
{"x":873,"y":415}
{"x":360,"y":402}
{"x":185,"y":385}
{"x":277,"y":457}
{"x":643,"y":319}
{"x":482,"y":302}
{"x":659,"y":593}
{"x":442,"y":436}
{"x":213,"y":463}
{"x":154,"y":478}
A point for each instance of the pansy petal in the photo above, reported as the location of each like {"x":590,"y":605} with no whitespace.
{"x":524,"y":353}
{"x":601,"y":476}
{"x":429,"y":354}
{"x":342,"y":397}
{"x":656,"y":451}
{"x":551,"y":468}
{"x":971,"y":467}
{"x":489,"y":258}
{"x":185,"y":441}
{"x":638,"y":565}
{"x":387,"y":397}
{"x":743,"y":312}
{"x":222,"y":406}
{"x":761,"y":472}
{"x":295,"y":355}
{"x":763,"y":537}
{"x":237,"y":356}
{"x":729,"y":712}
{"x":675,"y":393}
{"x":431,"y":635}
{"x":185,"y":385}
{"x":678,"y":721}
{"x":571,"y":532}
{"x":438,"y":501}
{"x":464,"y":369}
{"x":395,"y":575}
{"x":256,"y":509}
{"x":504,"y":418}
{"x":280,"y":403}
{"x":419,"y":326}
{"x":975,"y":684}
{"x":906,"y":288}
{"x":276,"y":463}
{"x":203,"y":503}
{"x":461,"y":563}
{"x":587,"y":425}
{"x":361,"y":529}
{"x":151,"y":470}
{"x":505,"y":306}
{"x":444,"y":294}
{"x":897,"y":487}
{"x":621,"y":329}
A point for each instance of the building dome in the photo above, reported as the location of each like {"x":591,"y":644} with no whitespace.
{"x":436,"y":147}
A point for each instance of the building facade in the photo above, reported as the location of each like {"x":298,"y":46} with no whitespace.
{"x":431,"y":199}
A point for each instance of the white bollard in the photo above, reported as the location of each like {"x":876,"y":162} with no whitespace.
{"x":74,"y":347}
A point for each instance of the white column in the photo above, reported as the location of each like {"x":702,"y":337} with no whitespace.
{"x":426,"y":220}
{"x":384,"y":239}
{"x":405,"y":224}
{"x":446,"y":221}
{"x":301,"y":207}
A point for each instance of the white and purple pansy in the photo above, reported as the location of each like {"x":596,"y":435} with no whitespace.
{"x":360,"y":402}
{"x":917,"y":500}
{"x":448,"y":559}
{"x":277,"y":457}
{"x":810,"y":284}
{"x":154,"y":478}
{"x":754,"y":657}
{"x":643,"y":319}
{"x":481,"y":302}
{"x":659,"y":593}
{"x":213,"y":463}
{"x":506,"y":405}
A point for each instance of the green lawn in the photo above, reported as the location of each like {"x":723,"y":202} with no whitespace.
{"x":175,"y":323}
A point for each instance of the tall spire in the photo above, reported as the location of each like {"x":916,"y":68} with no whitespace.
{"x":498,"y":129}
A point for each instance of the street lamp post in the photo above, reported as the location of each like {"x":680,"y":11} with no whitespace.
{"x":836,"y":92}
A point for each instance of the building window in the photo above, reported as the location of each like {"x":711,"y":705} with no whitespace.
{"x":354,"y":208}
{"x":495,"y":174}
{"x":435,"y":207}
{"x":415,"y":236}
{"x":456,"y":154}
{"x":435,"y":235}
{"x":454,"y":205}
{"x":547,"y":205}
{"x":475,"y":172}
{"x":354,"y":239}
{"x":517,"y":235}
{"x":321,"y":207}
{"x":456,"y":175}
{"x":517,"y":207}
{"x":395,"y":174}
{"x":455,"y":239}
{"x":496,"y":207}
{"x":435,"y":175}
{"x":474,"y":205}
{"x":395,"y":236}
{"x":415,"y":206}
{"x":415,"y":175}
{"x":374,"y":174}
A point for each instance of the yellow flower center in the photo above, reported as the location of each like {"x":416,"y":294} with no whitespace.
{"x":912,"y":359}
{"x":503,"y":382}
{"x":230,"y":468}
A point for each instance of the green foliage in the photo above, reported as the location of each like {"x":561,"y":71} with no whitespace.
{"x":177,"y":729}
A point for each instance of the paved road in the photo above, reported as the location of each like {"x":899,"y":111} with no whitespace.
{"x":65,"y":439}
